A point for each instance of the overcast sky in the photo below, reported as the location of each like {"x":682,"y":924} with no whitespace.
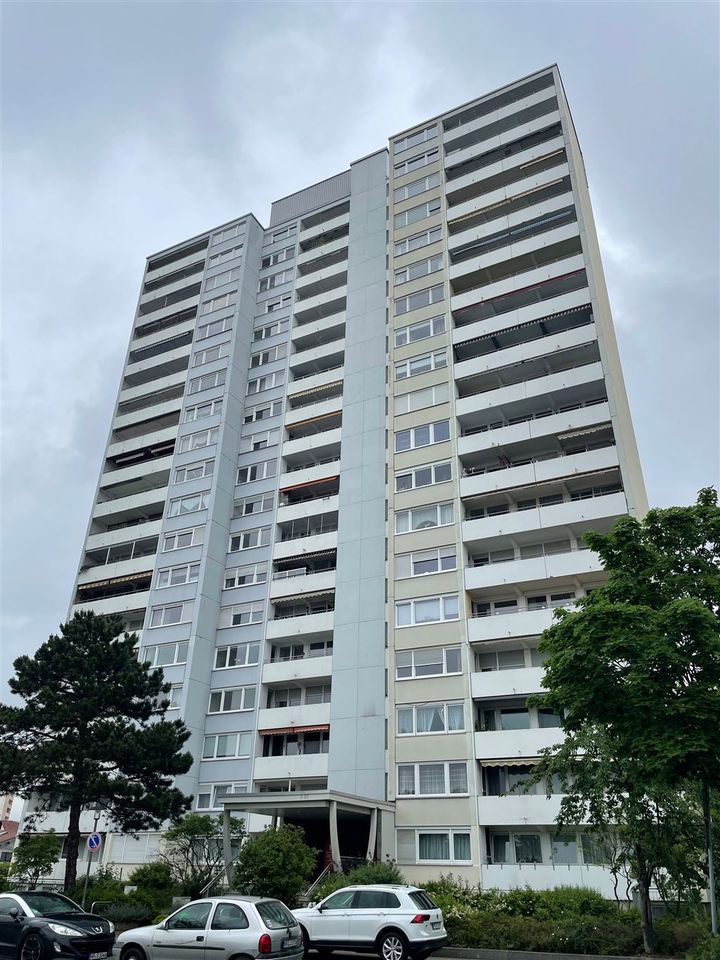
{"x":128,"y":127}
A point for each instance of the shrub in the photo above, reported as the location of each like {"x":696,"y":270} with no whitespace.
{"x":157,"y":875}
{"x":275,"y":863}
{"x":706,"y":949}
{"x":675,"y":938}
{"x":104,"y":884}
{"x":375,"y":872}
{"x":128,"y":913}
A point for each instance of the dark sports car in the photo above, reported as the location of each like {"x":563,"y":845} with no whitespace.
{"x":39,"y":926}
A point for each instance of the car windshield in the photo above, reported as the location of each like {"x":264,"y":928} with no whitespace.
{"x":48,"y":904}
{"x":423,"y":900}
{"x":275,"y":915}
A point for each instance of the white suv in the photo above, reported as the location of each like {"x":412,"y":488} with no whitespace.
{"x":395,"y":922}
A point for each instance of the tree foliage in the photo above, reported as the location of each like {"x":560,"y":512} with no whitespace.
{"x":193,"y":850}
{"x":635,"y":671}
{"x":35,"y":855}
{"x":91,"y":733}
{"x":276,"y":863}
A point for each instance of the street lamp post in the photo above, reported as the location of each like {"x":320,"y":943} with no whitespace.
{"x":98,"y":814}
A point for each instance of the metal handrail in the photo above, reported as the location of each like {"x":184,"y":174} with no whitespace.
{"x":214,"y":879}
{"x":318,"y":880}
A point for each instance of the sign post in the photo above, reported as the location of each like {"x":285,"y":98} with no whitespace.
{"x":94,"y":842}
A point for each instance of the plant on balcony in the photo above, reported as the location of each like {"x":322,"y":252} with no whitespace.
{"x":91,"y":733}
{"x":635,"y":670}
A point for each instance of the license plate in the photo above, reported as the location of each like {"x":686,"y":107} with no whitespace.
{"x":291,"y":942}
{"x":436,"y":925}
{"x":98,"y":956}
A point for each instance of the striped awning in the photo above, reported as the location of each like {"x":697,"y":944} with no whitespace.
{"x":310,"y":728}
{"x":130,"y":578}
{"x":309,"y":483}
{"x":583,"y":433}
{"x":511,"y":762}
{"x":312,"y":390}
{"x":520,"y":326}
{"x":300,"y":598}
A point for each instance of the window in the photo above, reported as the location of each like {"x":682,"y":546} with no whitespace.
{"x":217,"y":792}
{"x":203,"y":410}
{"x":339,"y":901}
{"x":267,"y":356}
{"x":225,"y":255}
{"x":412,"y":139}
{"x":174,"y":576}
{"x":258,"y":537}
{"x":257,"y":471}
{"x":416,"y":214}
{"x":220,"y":279}
{"x":419,"y":331}
{"x":423,"y":562}
{"x":421,"y":268}
{"x":232,"y":700}
{"x":183,"y":538}
{"x":525,"y":847}
{"x":415,"y":163}
{"x":267,"y":382}
{"x":190,"y":504}
{"x":422,"y":518}
{"x":237,"y":655}
{"x":424,"y":718}
{"x":278,"y":304}
{"x":422,"y":298}
{"x":287,"y":253}
{"x":416,"y":187}
{"x":210,"y":353}
{"x":417,"y":241}
{"x":267,"y":283}
{"x":217,"y":326}
{"x":166,"y":654}
{"x":424,"y":476}
{"x":259,"y":441}
{"x":217,"y":303}
{"x":259,"y":504}
{"x":427,"y":662}
{"x":270,"y":330}
{"x":422,"y":436}
{"x":171,"y":613}
{"x":500,"y":660}
{"x":262,"y":411}
{"x":226,"y":745}
{"x":433,"y":846}
{"x":194,"y":441}
{"x":431,"y":779}
{"x":228,"y":233}
{"x":565,"y":848}
{"x":419,"y":399}
{"x":216,"y":379}
{"x":241,"y":614}
{"x":192,"y":917}
{"x":229,"y":916}
{"x":413,"y":613}
{"x":498,"y":781}
{"x":194,"y":471}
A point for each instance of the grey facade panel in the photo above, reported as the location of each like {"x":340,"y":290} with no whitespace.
{"x":319,"y":195}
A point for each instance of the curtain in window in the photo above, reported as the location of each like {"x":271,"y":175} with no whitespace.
{"x":432,"y":778}
{"x":430,"y":719}
{"x":406,"y":781}
{"x":433,"y":846}
{"x":461,"y":846}
{"x":527,"y":848}
{"x":458,"y":778}
{"x":405,"y":721}
{"x":456,"y":720}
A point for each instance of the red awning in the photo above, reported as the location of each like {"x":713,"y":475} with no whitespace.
{"x":316,"y":728}
{"x":309,"y":483}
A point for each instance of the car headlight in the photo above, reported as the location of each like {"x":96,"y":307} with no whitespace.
{"x":64,"y":931}
{"x":111,"y":925}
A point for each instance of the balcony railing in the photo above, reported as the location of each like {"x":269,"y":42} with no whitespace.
{"x":588,"y":493}
{"x":292,"y":468}
{"x":314,"y":373}
{"x":540,"y":458}
{"x":479,"y":615}
{"x":560,"y":368}
{"x":303,"y":611}
{"x":499,"y":424}
{"x":554,"y":553}
{"x":316,"y":531}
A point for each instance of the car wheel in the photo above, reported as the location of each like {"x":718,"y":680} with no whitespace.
{"x":32,"y":948}
{"x":392,"y":946}
{"x":133,"y":952}
{"x":305,"y":940}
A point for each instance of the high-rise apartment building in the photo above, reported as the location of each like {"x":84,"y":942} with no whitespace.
{"x":348,"y":475}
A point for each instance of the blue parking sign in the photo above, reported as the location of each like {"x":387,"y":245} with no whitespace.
{"x":94,"y":841}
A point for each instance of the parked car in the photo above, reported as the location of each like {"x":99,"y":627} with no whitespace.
{"x":395,"y":922}
{"x":36,"y":926}
{"x":225,"y":928}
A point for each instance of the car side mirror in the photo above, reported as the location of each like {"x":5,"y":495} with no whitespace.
{"x":14,"y":913}
{"x":313,"y":903}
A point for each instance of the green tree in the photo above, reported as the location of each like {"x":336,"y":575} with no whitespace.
{"x":91,"y":733}
{"x":193,"y":850}
{"x":35,"y":855}
{"x":156,"y":875}
{"x":635,"y":670}
{"x":276,"y":863}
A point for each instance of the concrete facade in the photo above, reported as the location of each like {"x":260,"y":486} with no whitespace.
{"x":347,"y":479}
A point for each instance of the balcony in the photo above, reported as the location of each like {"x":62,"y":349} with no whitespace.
{"x":321,"y":305}
{"x":546,"y":876}
{"x":312,"y":382}
{"x":524,"y":623}
{"x":157,"y":367}
{"x":317,"y":359}
{"x":519,"y":810}
{"x":118,"y":569}
{"x":315,"y":230}
{"x":138,"y":471}
{"x":580,"y":565}
{"x":306,"y":714}
{"x":505,"y":119}
{"x":157,"y":440}
{"x":312,"y":411}
{"x":298,"y":581}
{"x":544,"y":468}
{"x":119,"y":604}
{"x":137,"y":417}
{"x":317,"y":445}
{"x":314,"y":624}
{"x":304,"y":473}
{"x":297,"y":671}
{"x":497,"y":684}
{"x":306,"y":509}
{"x":320,"y":281}
{"x":511,"y":145}
{"x":313,"y":334}
{"x":333,"y":250}
{"x":109,"y":538}
{"x":301,"y":767}
{"x":579,"y":417}
{"x":515,"y":744}
{"x":579,"y":515}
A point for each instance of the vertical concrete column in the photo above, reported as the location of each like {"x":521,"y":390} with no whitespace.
{"x":356,"y":762}
{"x":372,"y":835}
{"x":227,"y":846}
{"x":334,"y":840}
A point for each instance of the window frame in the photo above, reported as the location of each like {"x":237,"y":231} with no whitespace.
{"x":445,"y":764}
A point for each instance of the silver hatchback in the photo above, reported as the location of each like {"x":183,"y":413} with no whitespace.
{"x":221,"y":928}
